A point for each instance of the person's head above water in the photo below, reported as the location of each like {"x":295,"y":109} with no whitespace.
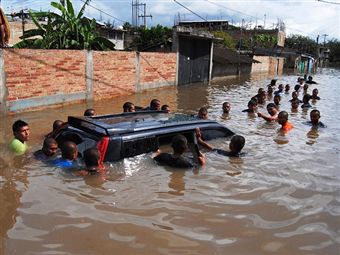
{"x":57,"y":124}
{"x":50,"y":146}
{"x":203,"y":113}
{"x":277,"y":99}
{"x":129,"y":107}
{"x":270,"y":90}
{"x":272,"y":109}
{"x":89,"y":112}
{"x":165,"y":108}
{"x":91,"y":157}
{"x":287,"y":88}
{"x":295,"y":103}
{"x":252,"y":104}
{"x":69,"y":150}
{"x":21,"y":130}
{"x":179,"y":144}
{"x":294,"y":95}
{"x":314,"y":117}
{"x":226,"y":107}
{"x":155,"y":105}
{"x":237,"y":143}
{"x":306,"y":98}
{"x":282,"y":117}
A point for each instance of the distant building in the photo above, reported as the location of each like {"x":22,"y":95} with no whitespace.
{"x":115,"y":35}
{"x":323,"y":56}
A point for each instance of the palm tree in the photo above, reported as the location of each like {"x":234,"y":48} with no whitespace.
{"x":66,"y":30}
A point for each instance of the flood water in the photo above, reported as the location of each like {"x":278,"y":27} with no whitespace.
{"x":282,"y":197}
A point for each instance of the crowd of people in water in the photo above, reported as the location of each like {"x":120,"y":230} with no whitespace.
{"x":66,"y":155}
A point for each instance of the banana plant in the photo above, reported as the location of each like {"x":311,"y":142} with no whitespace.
{"x":66,"y":30}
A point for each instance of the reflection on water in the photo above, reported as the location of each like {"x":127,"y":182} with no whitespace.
{"x":281,"y":197}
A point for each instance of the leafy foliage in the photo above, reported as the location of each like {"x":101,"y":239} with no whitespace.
{"x":264,"y":41}
{"x":334,"y":47}
{"x":67,"y":30}
{"x":227,"y":40}
{"x":303,"y":44}
{"x":150,"y":37}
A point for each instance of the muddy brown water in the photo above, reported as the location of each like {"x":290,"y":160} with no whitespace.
{"x":285,"y":199}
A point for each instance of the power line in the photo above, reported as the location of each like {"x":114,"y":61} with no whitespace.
{"x":124,"y":21}
{"x":190,"y":10}
{"x":328,"y":2}
{"x":222,"y":6}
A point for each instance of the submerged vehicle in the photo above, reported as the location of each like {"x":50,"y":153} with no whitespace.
{"x":119,"y":136}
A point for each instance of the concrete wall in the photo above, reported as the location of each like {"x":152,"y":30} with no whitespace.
{"x":38,"y":78}
{"x":271,"y":65}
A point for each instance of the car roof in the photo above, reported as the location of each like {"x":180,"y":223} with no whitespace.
{"x":125,"y":123}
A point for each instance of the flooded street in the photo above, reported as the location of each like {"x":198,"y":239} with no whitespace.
{"x":286,"y":199}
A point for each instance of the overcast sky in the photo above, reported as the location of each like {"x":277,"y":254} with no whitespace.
{"x":307,"y":17}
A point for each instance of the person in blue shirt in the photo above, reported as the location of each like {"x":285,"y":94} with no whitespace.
{"x":69,"y":154}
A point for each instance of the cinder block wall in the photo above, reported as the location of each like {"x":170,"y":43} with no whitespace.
{"x":38,"y":78}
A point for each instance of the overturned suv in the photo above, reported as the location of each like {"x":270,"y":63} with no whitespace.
{"x":119,"y":136}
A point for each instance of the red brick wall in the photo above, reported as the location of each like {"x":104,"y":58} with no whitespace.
{"x":34,"y":73}
{"x":157,"y":69}
{"x":36,"y":78}
{"x":114,"y":73}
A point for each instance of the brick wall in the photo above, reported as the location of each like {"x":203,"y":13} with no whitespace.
{"x":37,"y":78}
{"x":157,"y":69}
{"x":114,"y":73}
{"x":35,"y":73}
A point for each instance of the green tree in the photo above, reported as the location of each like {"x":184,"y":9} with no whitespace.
{"x":264,"y":41}
{"x":304,"y":44}
{"x":227,"y":40}
{"x":334,"y":48}
{"x":151,"y":37}
{"x":66,"y":30}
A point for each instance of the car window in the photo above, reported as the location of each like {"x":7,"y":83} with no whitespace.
{"x":139,"y":146}
{"x":209,"y":134}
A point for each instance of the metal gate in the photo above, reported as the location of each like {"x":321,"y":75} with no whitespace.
{"x":194,"y":60}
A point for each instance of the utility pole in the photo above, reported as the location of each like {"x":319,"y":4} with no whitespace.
{"x":144,"y":15}
{"x":324,"y":39}
{"x":136,"y":13}
{"x":264,"y":23}
{"x":23,"y":21}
